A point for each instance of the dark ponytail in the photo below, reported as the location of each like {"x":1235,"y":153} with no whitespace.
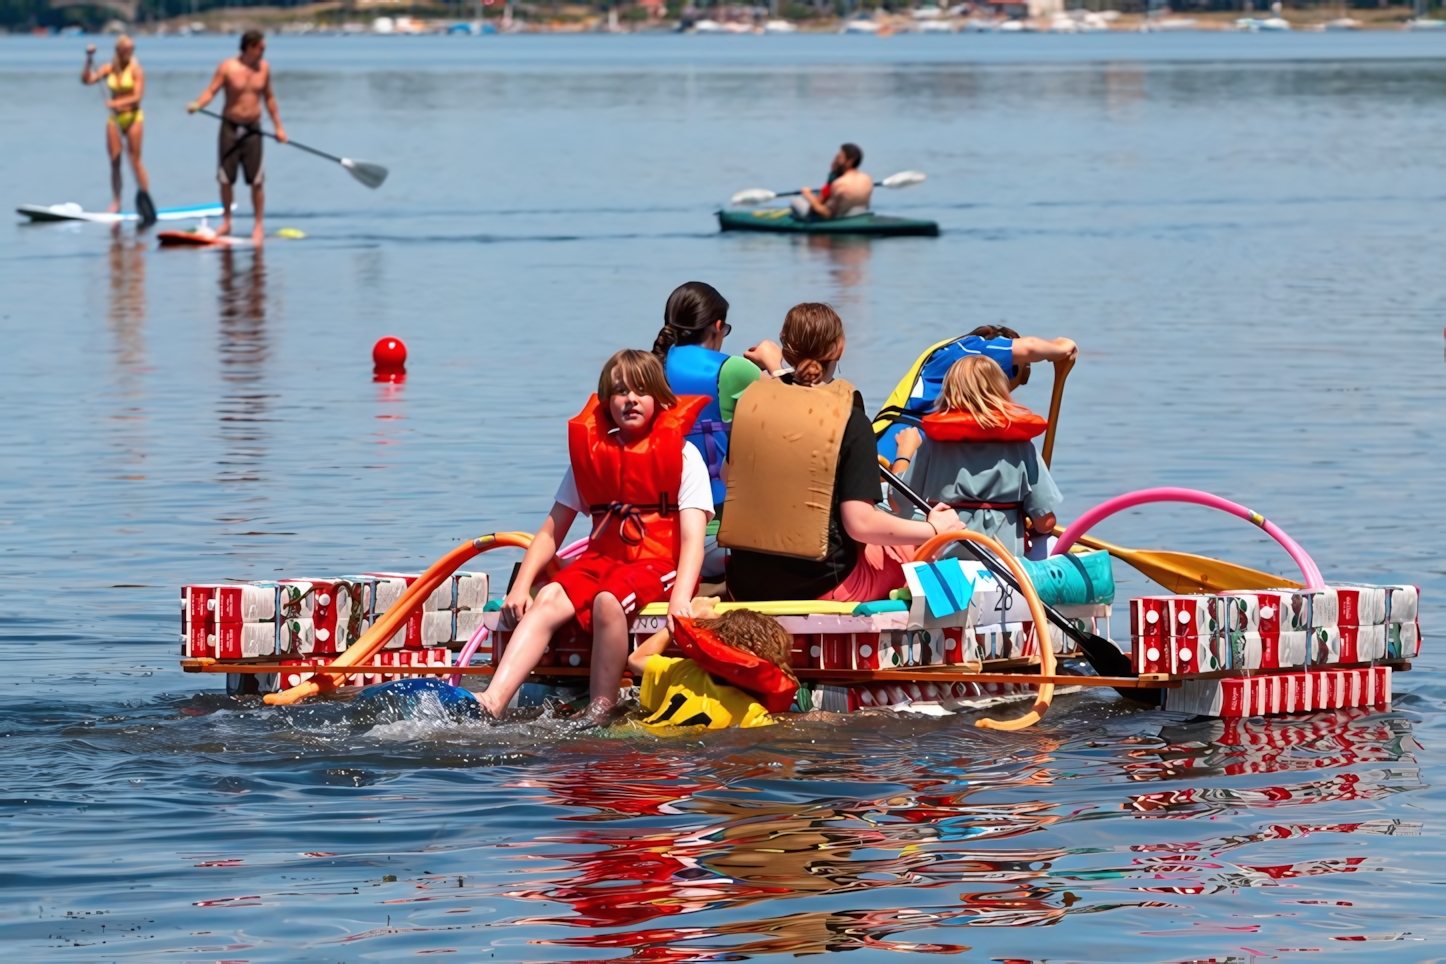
{"x":691,"y":309}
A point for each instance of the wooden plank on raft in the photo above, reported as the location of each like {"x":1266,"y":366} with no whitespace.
{"x":840,"y":676}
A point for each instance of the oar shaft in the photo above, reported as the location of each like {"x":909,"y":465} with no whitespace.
{"x":265,"y":133}
{"x":1061,"y":372}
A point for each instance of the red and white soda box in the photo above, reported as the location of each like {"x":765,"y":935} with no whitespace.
{"x":1361,"y":644}
{"x":1150,"y":654}
{"x":244,"y":640}
{"x":866,"y":648}
{"x":1245,"y":650}
{"x":229,"y":602}
{"x":1148,"y":616}
{"x":1192,"y":616}
{"x":798,"y":653}
{"x":391,"y":585}
{"x":1285,"y":649}
{"x":1325,"y":645}
{"x":908,"y":647}
{"x":296,"y":600}
{"x":296,"y":637}
{"x":836,"y":650}
{"x":956,"y":652}
{"x":199,"y":640}
{"x":1198,"y":654}
{"x":1403,"y":603}
{"x":1383,"y":679}
{"x":1297,"y":693}
{"x":469,"y":590}
{"x":1361,"y":605}
{"x":437,"y":627}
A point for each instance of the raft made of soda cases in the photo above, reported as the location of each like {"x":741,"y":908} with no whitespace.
{"x":783,"y":221}
{"x":1224,"y":655}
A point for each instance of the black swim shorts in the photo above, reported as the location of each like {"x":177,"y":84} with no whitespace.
{"x":240,"y":145}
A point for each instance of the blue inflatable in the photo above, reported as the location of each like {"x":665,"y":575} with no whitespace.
{"x":413,"y":699}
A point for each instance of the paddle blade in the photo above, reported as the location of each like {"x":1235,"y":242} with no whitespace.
{"x":754,"y":195}
{"x":372,"y":175}
{"x":904,"y":179}
{"x":1184,"y":572}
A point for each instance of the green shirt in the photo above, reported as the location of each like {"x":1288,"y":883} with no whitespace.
{"x":736,"y":374}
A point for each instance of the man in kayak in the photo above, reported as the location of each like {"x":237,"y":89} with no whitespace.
{"x":246,"y":80}
{"x":847,"y":192}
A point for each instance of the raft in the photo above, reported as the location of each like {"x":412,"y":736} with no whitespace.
{"x":782,"y":221}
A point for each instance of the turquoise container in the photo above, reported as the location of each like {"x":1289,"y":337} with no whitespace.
{"x":1073,"y":579}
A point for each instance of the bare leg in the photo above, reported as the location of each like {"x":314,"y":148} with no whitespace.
{"x":134,"y":138}
{"x":258,"y":202}
{"x":113,"y":148}
{"x":550,"y":611}
{"x":228,"y":191}
{"x":609,"y":653}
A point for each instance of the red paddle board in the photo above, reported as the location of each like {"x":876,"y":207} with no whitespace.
{"x":201,"y":238}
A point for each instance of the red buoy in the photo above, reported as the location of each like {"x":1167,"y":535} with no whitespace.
{"x":389,"y":352}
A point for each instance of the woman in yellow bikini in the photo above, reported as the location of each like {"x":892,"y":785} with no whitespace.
{"x":126,"y":80}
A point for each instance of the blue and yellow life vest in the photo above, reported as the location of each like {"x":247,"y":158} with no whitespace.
{"x":914,"y":396}
{"x":679,"y":692}
{"x":693,"y":370}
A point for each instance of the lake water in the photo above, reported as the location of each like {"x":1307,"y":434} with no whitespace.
{"x":1244,"y":234}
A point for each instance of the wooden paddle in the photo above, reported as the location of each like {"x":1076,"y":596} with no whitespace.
{"x":1061,"y":372}
{"x":1184,"y":572}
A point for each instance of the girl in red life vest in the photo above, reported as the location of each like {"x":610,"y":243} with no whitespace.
{"x":647,"y":493}
{"x":975,"y":454}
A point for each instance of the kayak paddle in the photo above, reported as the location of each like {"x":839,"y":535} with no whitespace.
{"x":372,"y":175}
{"x":1185,"y":572}
{"x":757,"y":195}
{"x":145,"y":209}
{"x":1102,"y":654}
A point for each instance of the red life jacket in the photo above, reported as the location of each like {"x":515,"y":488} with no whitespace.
{"x":1020,"y":425}
{"x":754,"y":674}
{"x":632,"y":491}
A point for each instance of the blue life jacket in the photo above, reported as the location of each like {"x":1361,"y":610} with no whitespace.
{"x":914,"y":396}
{"x":693,"y":370}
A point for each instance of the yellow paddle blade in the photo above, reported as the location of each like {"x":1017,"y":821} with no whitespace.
{"x":1184,"y":572}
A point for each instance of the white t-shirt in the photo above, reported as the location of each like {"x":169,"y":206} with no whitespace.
{"x":695,"y":492}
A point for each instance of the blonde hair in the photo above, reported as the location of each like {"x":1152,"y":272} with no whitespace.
{"x":638,"y":370}
{"x":977,"y":385}
{"x":812,"y":335}
{"x":122,"y":40}
{"x":754,"y":633}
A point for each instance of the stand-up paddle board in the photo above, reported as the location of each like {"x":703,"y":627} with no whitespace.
{"x":199,"y":238}
{"x":70,"y":211}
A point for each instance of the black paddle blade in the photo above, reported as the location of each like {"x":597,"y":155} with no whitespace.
{"x":145,"y":208}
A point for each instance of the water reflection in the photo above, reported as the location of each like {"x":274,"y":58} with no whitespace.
{"x":126,"y":319}
{"x":245,"y":349}
{"x":848,"y":260}
{"x":942,"y":825}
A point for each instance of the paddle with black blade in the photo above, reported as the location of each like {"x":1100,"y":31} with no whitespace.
{"x":372,"y":175}
{"x":1102,"y":654}
{"x":145,"y":209}
{"x":758,"y":195}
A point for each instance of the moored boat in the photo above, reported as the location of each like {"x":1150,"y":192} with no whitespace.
{"x":783,"y":221}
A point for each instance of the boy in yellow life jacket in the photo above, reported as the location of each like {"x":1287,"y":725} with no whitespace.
{"x":734,"y":672}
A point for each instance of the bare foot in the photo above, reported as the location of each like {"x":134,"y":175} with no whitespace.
{"x":224,"y":229}
{"x":258,"y":235}
{"x":114,"y":207}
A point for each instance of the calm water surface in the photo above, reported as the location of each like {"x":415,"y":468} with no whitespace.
{"x":1244,"y":233}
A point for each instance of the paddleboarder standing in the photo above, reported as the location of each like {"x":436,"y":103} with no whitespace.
{"x":125,"y":80}
{"x":247,"y":81}
{"x":848,"y":191}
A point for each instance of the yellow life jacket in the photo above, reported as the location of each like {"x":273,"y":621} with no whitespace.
{"x":781,"y":462}
{"x":679,"y":692}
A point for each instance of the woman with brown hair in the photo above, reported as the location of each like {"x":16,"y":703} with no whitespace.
{"x":802,"y":519}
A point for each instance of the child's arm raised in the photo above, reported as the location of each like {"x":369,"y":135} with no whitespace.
{"x":692,"y":523}
{"x":539,"y":554}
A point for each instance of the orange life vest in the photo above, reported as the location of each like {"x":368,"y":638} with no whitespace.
{"x":1020,"y":425}
{"x":753,"y":674}
{"x":632,"y":491}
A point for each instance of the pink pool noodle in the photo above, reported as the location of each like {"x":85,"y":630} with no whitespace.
{"x":1084,"y":523}
{"x":480,"y":636}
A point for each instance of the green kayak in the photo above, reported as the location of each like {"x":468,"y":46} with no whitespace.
{"x":782,"y":220}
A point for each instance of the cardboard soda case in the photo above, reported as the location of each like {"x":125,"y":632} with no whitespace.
{"x":228,"y":603}
{"x":1403,"y":640}
{"x":1362,"y":605}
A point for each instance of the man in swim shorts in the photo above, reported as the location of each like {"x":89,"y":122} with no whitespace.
{"x":246,"y":80}
{"x":847,"y":192}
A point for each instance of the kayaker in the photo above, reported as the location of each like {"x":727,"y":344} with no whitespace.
{"x":647,"y":492}
{"x":733,"y":672}
{"x":847,"y":193}
{"x":690,"y":343}
{"x":247,"y":82}
{"x":125,"y":78}
{"x":803,"y":480}
{"x":914,"y":396}
{"x":976,"y":456}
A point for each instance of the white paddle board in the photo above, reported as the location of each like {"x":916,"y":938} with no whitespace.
{"x":70,"y":211}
